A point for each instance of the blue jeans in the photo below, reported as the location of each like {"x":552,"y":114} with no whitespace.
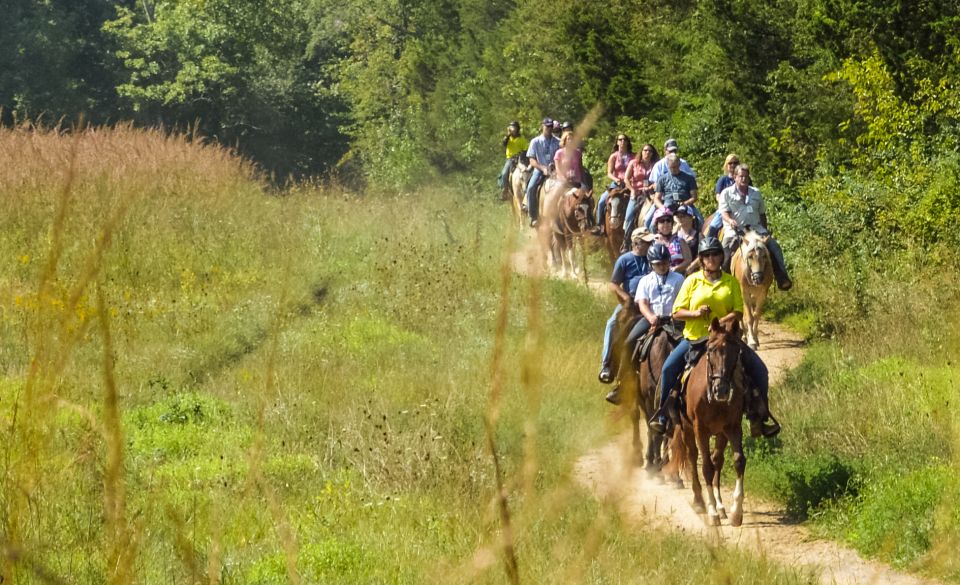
{"x":629,"y":222}
{"x":754,"y":367}
{"x":715,"y":224}
{"x":608,"y":334}
{"x":779,"y":264}
{"x":533,"y":203}
{"x":505,"y":172}
{"x":602,"y":205}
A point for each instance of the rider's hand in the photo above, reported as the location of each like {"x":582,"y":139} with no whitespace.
{"x":654,"y":322}
{"x":704,"y":311}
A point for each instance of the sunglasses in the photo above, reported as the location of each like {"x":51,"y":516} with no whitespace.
{"x":711,"y":254}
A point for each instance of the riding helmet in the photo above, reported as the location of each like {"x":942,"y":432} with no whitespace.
{"x":566,"y":126}
{"x":662,"y":212}
{"x":514,"y":124}
{"x":658,"y":253}
{"x":709,"y":244}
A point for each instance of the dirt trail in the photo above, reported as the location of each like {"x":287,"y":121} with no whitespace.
{"x":609,"y":473}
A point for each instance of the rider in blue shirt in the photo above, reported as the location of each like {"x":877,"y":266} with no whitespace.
{"x":541,"y":151}
{"x":627,"y":272}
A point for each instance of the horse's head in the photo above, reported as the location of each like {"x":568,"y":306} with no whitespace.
{"x":616,"y":204}
{"x":723,"y":357}
{"x":756,"y":257}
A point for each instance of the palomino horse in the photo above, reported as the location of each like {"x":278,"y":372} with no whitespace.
{"x":567,"y":224}
{"x":751,"y":265}
{"x":518,"y":184}
{"x":614,"y":217}
{"x":715,"y":400}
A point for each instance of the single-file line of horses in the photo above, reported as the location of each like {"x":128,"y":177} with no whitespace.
{"x":680,"y":346}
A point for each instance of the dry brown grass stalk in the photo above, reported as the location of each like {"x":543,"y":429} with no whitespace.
{"x":492,"y":414}
{"x":122,"y":552}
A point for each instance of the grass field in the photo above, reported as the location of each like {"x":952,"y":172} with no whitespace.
{"x":207,"y":380}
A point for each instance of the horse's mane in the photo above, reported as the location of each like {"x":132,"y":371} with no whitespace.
{"x":752,"y":239}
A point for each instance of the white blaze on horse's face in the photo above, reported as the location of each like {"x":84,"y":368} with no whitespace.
{"x":754,"y":258}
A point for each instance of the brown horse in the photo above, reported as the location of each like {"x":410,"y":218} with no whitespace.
{"x":715,"y":401}
{"x":614,"y":217}
{"x":648,"y":396}
{"x":752,"y":267}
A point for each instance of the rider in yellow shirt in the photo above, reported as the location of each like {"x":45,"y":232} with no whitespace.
{"x":516,"y":146}
{"x":705,"y":295}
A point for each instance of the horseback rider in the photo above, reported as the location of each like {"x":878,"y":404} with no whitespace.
{"x":662,"y":168}
{"x":656,"y":292}
{"x":638,"y":181}
{"x":680,"y":253}
{"x":726,"y":180}
{"x":627,"y":272}
{"x":616,"y":170}
{"x":516,"y":149}
{"x":687,"y":228}
{"x":540,"y":152}
{"x":673,"y":189}
{"x":742,"y":207}
{"x":707,"y":294}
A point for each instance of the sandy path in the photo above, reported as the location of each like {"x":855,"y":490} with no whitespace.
{"x":609,"y":473}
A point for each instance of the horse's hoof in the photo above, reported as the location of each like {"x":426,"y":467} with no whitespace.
{"x":722,"y":512}
{"x":713,"y":520}
{"x":736,"y":518}
{"x":699,"y":508}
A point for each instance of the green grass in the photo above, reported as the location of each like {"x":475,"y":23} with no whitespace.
{"x":302,"y":380}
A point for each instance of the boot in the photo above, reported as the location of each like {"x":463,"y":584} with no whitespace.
{"x":613,"y":397}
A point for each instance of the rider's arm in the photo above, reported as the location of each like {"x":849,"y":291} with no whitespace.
{"x":693,"y":198}
{"x":622,"y":295}
{"x":628,"y":179}
{"x":687,"y":258}
{"x":763,"y":221}
{"x":658,"y":196}
{"x":611,"y":166}
{"x":646,"y":311}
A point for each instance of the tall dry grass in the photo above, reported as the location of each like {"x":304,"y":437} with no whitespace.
{"x":203,"y":382}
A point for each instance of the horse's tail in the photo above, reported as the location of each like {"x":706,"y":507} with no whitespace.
{"x":677,"y":465}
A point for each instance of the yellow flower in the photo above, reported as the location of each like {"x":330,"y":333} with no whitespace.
{"x":24,"y":259}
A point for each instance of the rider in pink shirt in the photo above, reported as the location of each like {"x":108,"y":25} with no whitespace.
{"x":616,"y":169}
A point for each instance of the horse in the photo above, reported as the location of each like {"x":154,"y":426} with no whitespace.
{"x":567,"y":224}
{"x":715,"y":403}
{"x":648,"y":394}
{"x":518,"y":184}
{"x":614,"y":217}
{"x":751,"y":265}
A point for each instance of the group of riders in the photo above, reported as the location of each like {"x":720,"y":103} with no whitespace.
{"x":657,"y":278}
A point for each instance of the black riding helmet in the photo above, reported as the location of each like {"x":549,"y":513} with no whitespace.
{"x":514,"y":124}
{"x":709,"y":244}
{"x":566,"y":126}
{"x":658,"y":253}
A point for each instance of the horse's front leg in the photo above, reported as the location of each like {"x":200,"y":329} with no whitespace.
{"x":750,"y":317}
{"x":740,"y":465}
{"x":718,"y":450}
{"x":703,"y":444}
{"x":693,"y":452}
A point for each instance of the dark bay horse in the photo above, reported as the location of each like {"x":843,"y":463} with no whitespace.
{"x":640,"y":383}
{"x":715,"y":399}
{"x":614,"y":217}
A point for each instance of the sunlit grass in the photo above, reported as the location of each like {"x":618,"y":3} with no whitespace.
{"x":301,"y":382}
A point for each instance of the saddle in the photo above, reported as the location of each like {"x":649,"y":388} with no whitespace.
{"x":673,"y":329}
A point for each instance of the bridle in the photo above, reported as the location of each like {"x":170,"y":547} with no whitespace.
{"x":720,"y":382}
